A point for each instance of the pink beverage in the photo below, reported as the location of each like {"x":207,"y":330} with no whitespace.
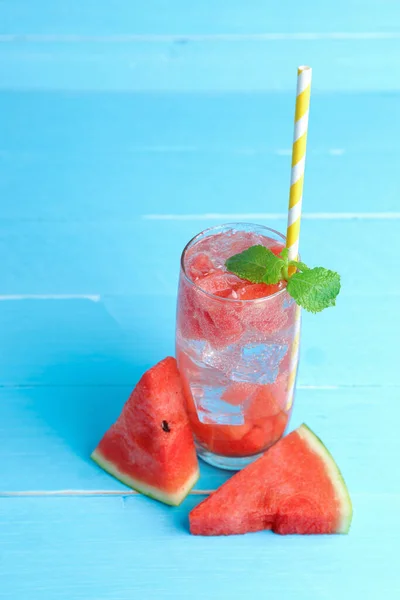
{"x":234,"y":347}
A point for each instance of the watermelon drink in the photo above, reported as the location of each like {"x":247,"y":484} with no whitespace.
{"x":234,"y":342}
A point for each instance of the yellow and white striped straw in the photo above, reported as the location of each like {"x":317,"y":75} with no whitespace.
{"x":295,"y":201}
{"x":298,"y":159}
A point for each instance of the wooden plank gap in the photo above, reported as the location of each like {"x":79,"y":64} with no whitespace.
{"x":88,"y":493}
{"x":230,"y":217}
{"x":183,"y":38}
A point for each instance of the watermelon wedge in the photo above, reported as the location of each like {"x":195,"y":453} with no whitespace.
{"x":295,"y":487}
{"x":150,"y":447}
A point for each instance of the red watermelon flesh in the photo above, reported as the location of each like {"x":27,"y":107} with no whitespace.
{"x":221,"y":324}
{"x":150,"y":447}
{"x":244,"y":440}
{"x":260,"y":399}
{"x":199,"y":266}
{"x":276,"y":248}
{"x":200,"y":316}
{"x":265,"y":419}
{"x":295,"y":487}
{"x":218,"y":283}
{"x":254,"y":291}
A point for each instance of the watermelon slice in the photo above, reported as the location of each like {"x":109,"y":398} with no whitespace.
{"x":150,"y":447}
{"x":295,"y":487}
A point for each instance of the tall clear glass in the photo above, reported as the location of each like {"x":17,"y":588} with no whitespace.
{"x":235,"y":347}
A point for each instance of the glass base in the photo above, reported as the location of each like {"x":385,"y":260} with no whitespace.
{"x":230,"y":463}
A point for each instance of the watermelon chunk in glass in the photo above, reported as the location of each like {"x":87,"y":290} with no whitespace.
{"x":295,"y":487}
{"x":219,"y":283}
{"x":265,"y":417}
{"x":199,"y":266}
{"x":201,"y":316}
{"x":150,"y":447}
{"x":253,"y":291}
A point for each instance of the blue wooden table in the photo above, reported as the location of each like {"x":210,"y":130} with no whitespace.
{"x":127,"y":127}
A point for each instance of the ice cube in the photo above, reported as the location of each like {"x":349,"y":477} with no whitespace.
{"x":211,"y":410}
{"x":221,"y":359}
{"x":253,"y":363}
{"x":259,"y":363}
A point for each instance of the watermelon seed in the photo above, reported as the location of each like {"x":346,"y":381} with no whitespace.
{"x":165,"y":426}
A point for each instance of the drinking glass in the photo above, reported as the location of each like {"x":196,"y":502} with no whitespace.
{"x":237,"y":349}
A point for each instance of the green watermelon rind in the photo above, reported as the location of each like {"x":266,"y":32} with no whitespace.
{"x":172,"y":499}
{"x":342,"y":493}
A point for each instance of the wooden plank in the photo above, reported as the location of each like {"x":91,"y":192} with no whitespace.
{"x":91,"y":258}
{"x":201,"y":182}
{"x":113,"y":156}
{"x":122,"y":548}
{"x":210,"y":17}
{"x":47,"y":434}
{"x":199,"y":65}
{"x":84,"y":126}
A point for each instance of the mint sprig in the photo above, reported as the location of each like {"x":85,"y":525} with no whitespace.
{"x":256,"y":264}
{"x":313,"y":289}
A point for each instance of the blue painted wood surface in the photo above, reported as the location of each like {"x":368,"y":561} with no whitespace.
{"x":158,"y":17}
{"x":125,"y":131}
{"x":176,"y":65}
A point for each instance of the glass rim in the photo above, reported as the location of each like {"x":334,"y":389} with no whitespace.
{"x":193,"y":240}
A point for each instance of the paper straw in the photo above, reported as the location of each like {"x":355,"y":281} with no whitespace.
{"x":298,"y":160}
{"x":295,"y":202}
{"x":294,"y":359}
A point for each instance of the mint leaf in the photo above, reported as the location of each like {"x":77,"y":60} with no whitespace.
{"x":298,"y":265}
{"x":314,"y":289}
{"x":256,"y":264}
{"x":285,"y":254}
{"x":275,"y":266}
